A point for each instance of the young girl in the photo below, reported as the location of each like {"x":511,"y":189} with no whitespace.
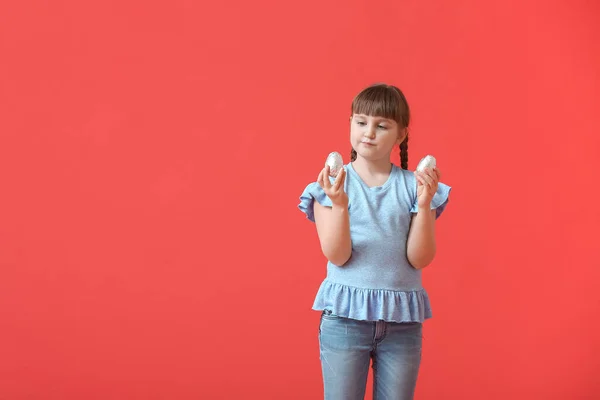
{"x":376,"y":227}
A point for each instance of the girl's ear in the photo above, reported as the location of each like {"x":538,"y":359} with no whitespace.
{"x":401,"y":135}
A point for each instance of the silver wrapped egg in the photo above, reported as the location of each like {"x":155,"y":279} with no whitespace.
{"x":335,"y":162}
{"x":427,"y":162}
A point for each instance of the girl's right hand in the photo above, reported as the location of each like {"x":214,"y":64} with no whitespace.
{"x":334,"y":191}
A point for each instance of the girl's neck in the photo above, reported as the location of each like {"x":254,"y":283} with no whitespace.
{"x":372,"y":167}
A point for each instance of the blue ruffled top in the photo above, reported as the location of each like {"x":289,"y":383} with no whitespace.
{"x":377,"y":282}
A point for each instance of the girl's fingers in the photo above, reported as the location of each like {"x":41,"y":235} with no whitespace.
{"x":320,"y":178}
{"x":427,"y":179}
{"x":326,"y":181}
{"x":431,"y":174}
{"x":339,"y":179}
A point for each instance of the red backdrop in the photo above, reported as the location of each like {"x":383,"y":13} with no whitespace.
{"x":151,"y":159}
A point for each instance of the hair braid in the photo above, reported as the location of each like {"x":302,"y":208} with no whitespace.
{"x":404,"y":153}
{"x":353,"y":155}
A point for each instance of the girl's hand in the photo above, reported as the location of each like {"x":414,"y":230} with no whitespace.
{"x":334,"y":191}
{"x":427,"y":186}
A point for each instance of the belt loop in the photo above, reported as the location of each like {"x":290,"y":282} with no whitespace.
{"x":380,"y":328}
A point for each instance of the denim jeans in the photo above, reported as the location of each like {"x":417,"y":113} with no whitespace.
{"x":347,"y":347}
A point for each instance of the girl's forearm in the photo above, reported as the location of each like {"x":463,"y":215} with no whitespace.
{"x":337,"y":243}
{"x":421,"y":247}
{"x":333,"y":226}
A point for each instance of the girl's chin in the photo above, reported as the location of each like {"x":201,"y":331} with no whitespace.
{"x":371,"y":153}
{"x":366,"y":149}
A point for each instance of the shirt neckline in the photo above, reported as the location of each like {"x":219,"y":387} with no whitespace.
{"x":385,"y":185}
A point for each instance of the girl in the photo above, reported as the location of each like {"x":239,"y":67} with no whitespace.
{"x":376,"y":227}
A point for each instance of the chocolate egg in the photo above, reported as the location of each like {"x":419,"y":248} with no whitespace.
{"x":335,"y":162}
{"x":427,"y":162}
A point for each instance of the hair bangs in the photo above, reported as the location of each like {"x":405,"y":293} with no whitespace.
{"x":382,"y":101}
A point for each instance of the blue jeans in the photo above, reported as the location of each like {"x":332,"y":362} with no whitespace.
{"x":347,"y":347}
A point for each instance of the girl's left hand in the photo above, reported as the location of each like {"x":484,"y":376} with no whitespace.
{"x":427,"y":186}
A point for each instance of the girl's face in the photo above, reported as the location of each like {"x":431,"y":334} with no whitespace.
{"x":374,"y":138}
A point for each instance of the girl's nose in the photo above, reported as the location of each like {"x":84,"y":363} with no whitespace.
{"x":369,"y":132}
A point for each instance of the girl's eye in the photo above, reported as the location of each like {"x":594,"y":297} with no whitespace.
{"x":360,"y":123}
{"x":382,"y":127}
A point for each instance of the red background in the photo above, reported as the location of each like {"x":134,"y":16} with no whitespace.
{"x":151,"y":159}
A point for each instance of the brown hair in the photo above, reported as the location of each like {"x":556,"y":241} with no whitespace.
{"x":386,"y":101}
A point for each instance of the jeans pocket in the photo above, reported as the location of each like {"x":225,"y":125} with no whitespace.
{"x":329,"y":315}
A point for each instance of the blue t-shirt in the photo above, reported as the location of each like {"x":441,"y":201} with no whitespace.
{"x":377,"y":282}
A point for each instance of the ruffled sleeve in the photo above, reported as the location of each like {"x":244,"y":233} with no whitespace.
{"x":313,"y":192}
{"x":439,"y":201}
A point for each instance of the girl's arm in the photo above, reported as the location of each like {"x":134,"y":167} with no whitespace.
{"x":333,"y":228}
{"x":421,"y":247}
{"x":333,"y":223}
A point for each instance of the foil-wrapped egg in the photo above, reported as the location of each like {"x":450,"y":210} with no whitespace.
{"x":335,"y":162}
{"x":427,"y":162}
